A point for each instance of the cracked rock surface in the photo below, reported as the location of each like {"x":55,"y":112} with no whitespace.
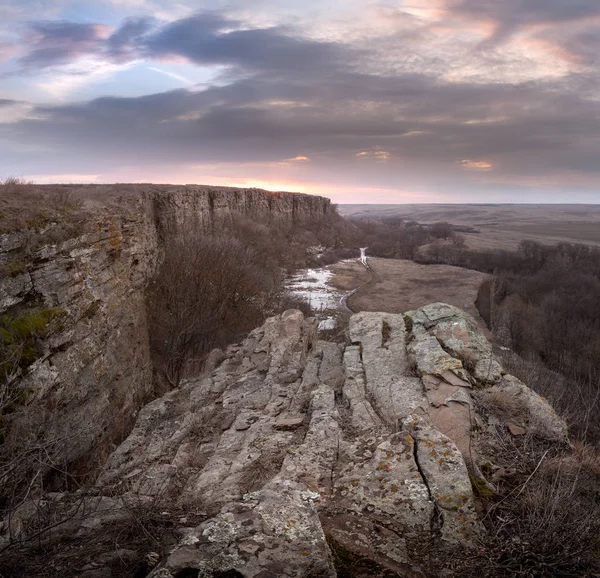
{"x":296,"y":449}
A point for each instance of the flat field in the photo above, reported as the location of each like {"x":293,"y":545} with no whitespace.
{"x":401,"y":285}
{"x":500,"y":226}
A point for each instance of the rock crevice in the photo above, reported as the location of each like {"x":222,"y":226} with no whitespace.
{"x":276,"y":470}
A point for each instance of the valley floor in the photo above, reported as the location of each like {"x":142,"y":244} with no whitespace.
{"x":401,"y":285}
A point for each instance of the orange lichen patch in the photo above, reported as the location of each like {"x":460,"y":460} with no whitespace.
{"x":115,"y":238}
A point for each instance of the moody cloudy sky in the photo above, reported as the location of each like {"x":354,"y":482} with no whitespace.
{"x":361,"y":100}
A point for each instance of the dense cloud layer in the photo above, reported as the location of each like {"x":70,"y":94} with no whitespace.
{"x":479,"y":99}
{"x":53,"y":43}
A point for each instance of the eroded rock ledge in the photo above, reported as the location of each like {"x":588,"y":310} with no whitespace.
{"x":293,"y":449}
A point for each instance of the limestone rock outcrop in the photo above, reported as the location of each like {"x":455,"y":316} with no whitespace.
{"x":203,"y":208}
{"x":292,"y":449}
{"x":94,"y":371}
{"x":96,"y":367}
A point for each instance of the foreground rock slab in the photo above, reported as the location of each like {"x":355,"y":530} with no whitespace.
{"x":291,"y":450}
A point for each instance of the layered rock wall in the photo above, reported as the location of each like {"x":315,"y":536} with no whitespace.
{"x":82,"y":395}
{"x":204,"y":208}
{"x":94,"y":370}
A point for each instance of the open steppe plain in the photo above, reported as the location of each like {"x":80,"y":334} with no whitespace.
{"x":500,"y":226}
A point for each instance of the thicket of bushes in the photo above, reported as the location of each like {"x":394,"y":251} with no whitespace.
{"x":396,"y":238}
{"x":214,"y":288}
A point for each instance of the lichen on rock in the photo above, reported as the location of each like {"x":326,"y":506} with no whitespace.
{"x":290,"y":444}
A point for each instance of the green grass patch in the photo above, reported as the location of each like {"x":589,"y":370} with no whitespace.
{"x":14,"y":268}
{"x":19,"y":337}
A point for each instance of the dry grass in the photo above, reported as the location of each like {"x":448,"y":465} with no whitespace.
{"x":28,"y":206}
{"x":503,"y":402}
{"x":543,"y":520}
{"x":402,"y":285}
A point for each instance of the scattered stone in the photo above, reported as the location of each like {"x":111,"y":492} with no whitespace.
{"x":430,"y":381}
{"x":289,"y":423}
{"x":516,"y":430}
{"x":243,"y":422}
{"x":453,"y":379}
{"x":460,"y":396}
{"x":488,"y":371}
{"x":215,"y":357}
{"x":542,"y":419}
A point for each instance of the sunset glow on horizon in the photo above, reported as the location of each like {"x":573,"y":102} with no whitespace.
{"x":388,"y":101}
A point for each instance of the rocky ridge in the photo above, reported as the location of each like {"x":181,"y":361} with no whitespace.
{"x":291,"y":451}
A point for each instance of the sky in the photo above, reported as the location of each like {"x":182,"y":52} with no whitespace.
{"x":364,"y":101}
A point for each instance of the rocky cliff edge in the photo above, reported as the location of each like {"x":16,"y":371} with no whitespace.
{"x":88,"y":268}
{"x":292,"y":453}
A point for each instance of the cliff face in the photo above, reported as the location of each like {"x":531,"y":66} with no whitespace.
{"x":203,"y":208}
{"x":94,"y":371}
{"x":295,"y":456}
{"x":82,"y":394}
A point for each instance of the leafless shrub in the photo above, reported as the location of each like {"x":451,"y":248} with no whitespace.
{"x":209,"y":291}
{"x":441,"y":230}
{"x":543,"y":519}
{"x":548,"y":524}
{"x":65,"y":200}
{"x":127,"y":536}
{"x":12,"y":183}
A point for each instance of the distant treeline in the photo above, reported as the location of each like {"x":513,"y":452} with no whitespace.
{"x":396,"y":238}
